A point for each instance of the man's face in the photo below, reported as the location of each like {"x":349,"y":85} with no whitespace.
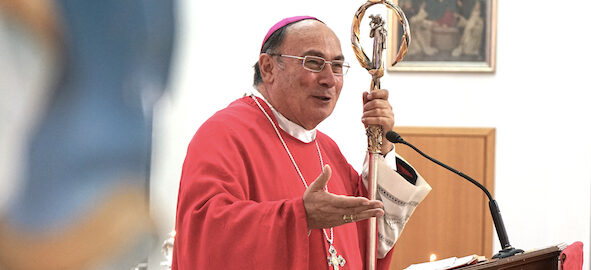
{"x":305,"y":97}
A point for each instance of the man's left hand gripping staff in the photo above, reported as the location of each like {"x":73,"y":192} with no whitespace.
{"x":378,"y":111}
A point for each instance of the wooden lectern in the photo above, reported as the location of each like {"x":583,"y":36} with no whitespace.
{"x":543,"y":259}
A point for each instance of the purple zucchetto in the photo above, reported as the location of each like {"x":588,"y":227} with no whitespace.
{"x":283,"y":23}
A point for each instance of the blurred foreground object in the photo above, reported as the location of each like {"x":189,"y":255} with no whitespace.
{"x":167,"y":248}
{"x":80,"y":198}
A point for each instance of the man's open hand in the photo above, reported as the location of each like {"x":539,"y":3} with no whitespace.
{"x":325,"y":210}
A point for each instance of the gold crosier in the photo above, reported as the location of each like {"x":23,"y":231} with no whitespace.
{"x":376,"y":70}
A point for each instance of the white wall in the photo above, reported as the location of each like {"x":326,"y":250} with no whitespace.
{"x":538,"y":100}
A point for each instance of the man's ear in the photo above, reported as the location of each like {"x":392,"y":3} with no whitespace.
{"x":268,"y":68}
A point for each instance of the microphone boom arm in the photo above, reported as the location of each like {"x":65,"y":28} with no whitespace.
{"x":507,"y":249}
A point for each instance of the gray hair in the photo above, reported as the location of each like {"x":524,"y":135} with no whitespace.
{"x":271,"y":45}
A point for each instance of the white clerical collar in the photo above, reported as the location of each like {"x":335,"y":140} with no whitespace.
{"x":288,"y":126}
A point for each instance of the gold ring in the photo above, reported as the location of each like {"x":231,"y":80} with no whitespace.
{"x":348,"y":218}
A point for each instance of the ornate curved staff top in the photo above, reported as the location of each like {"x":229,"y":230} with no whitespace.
{"x":360,"y":53}
{"x":376,"y":70}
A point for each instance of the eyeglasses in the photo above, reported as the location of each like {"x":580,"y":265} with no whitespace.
{"x":316,"y":64}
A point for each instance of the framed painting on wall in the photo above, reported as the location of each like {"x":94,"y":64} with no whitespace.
{"x":446,"y":35}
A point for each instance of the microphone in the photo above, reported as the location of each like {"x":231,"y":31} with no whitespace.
{"x":507,"y":249}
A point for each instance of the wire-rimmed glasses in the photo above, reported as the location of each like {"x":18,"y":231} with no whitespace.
{"x":316,"y":64}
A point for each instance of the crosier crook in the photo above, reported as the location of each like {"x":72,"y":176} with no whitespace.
{"x":376,"y":70}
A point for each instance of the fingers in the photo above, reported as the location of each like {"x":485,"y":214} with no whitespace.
{"x":376,"y":100}
{"x":322,"y":179}
{"x":377,"y":104}
{"x":332,"y":209}
{"x":330,"y":204}
{"x":376,"y":94}
{"x":377,"y":110}
{"x":369,"y":206}
{"x":325,"y":210}
{"x":342,"y":202}
{"x":362,"y":215}
{"x":383,"y":119}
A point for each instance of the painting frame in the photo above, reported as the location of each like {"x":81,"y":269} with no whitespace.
{"x":448,"y":40}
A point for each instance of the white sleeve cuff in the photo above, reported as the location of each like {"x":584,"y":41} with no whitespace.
{"x":399,"y":196}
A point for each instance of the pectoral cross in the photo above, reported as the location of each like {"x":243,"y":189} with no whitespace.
{"x":336,"y":262}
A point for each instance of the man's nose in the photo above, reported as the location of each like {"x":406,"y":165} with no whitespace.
{"x":327,"y":77}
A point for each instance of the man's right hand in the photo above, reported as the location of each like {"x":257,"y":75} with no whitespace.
{"x":326,"y":210}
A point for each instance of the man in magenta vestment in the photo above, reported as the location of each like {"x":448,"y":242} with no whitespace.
{"x":261,"y":188}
